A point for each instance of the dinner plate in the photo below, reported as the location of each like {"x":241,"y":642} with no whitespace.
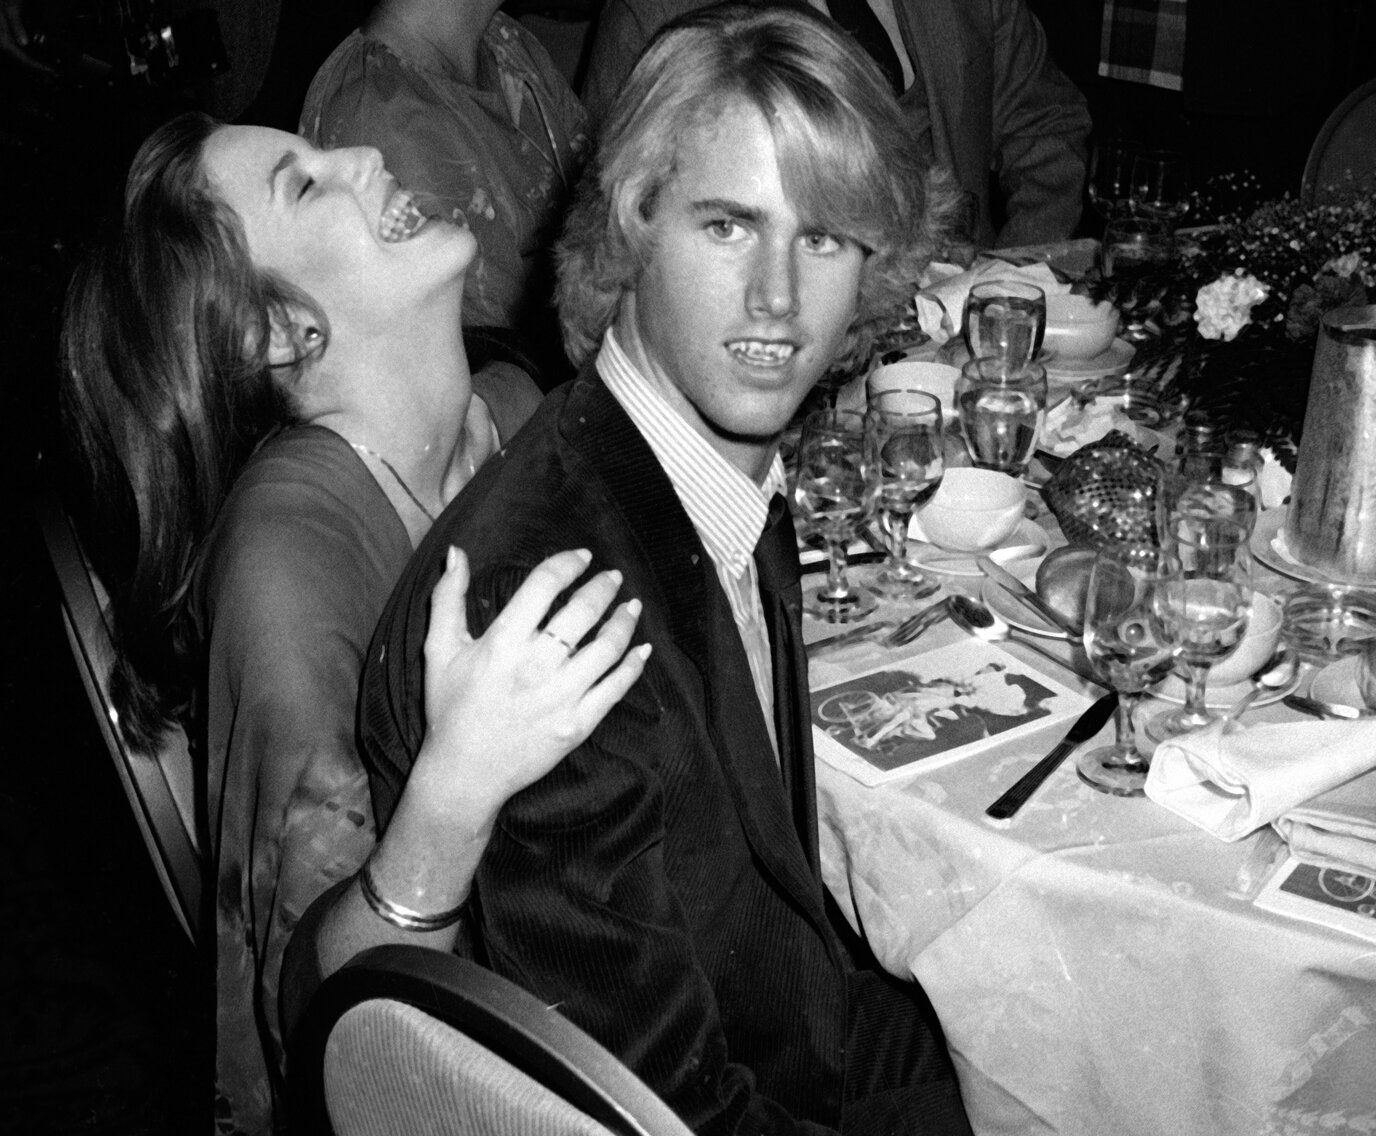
{"x":1172,"y":689}
{"x":933,"y":559}
{"x":1337,"y":682}
{"x":1060,"y":368}
{"x":1013,"y":611}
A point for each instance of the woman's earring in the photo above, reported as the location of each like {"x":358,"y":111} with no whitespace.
{"x":311,"y":336}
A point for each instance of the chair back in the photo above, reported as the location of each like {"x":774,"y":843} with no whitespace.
{"x":160,"y":786}
{"x":1343,"y":157}
{"x":409,"y":1040}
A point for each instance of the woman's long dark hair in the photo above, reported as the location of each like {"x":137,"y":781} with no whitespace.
{"x":166,"y":390}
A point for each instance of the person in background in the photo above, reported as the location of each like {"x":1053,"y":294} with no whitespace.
{"x":753,"y":216}
{"x":266,"y":388}
{"x":471,"y":113}
{"x":984,"y":98}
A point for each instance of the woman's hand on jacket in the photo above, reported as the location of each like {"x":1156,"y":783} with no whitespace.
{"x":504,"y":709}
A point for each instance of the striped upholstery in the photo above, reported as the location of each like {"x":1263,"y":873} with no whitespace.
{"x":393,"y":1070}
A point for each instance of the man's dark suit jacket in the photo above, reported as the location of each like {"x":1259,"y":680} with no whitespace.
{"x":660,"y":886}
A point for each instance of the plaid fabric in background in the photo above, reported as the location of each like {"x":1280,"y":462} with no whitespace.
{"x":1143,"y":41}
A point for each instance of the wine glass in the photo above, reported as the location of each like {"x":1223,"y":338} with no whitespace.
{"x":1001,"y":413}
{"x":1209,"y":611}
{"x":1110,"y":174}
{"x":838,"y":481}
{"x":1005,"y":319}
{"x":908,"y":436}
{"x":1131,"y":642}
{"x":1160,"y":185}
{"x":1135,"y":249}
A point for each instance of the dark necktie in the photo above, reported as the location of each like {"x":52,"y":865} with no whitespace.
{"x":776,"y":563}
{"x":858,"y":18}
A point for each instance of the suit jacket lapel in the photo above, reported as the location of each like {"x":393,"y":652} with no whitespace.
{"x":703,"y":629}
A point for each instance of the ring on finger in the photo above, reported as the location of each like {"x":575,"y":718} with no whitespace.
{"x":569,"y":647}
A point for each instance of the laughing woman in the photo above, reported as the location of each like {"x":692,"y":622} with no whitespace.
{"x":266,"y":386}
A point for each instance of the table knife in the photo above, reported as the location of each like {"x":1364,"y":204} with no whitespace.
{"x":1086,"y":726}
{"x":1010,"y":583}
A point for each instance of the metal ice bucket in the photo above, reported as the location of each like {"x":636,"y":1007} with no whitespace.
{"x":1331,"y":523}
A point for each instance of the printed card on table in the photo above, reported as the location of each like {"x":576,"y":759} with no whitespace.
{"x":1343,"y":900}
{"x":928,"y":710}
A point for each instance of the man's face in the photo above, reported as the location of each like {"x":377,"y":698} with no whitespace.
{"x":744,"y":304}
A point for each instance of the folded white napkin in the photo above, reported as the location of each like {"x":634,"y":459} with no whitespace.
{"x":1070,"y":425}
{"x":1231,"y":784}
{"x":1336,"y":829}
{"x":944,"y":287}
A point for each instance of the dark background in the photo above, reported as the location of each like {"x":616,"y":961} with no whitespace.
{"x":102,"y":1016}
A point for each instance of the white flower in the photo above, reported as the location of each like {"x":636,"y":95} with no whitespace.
{"x":1347,"y":265}
{"x":1224,"y":308}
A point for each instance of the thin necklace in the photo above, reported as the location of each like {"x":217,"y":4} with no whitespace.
{"x":390,"y":468}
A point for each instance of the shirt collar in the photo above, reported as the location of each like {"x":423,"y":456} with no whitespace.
{"x":727,"y":509}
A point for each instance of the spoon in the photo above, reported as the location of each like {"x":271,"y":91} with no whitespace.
{"x":972,"y":616}
{"x":1321,"y":709}
{"x":1273,"y":674}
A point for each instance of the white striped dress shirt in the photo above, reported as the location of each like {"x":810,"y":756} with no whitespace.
{"x":727,"y":509}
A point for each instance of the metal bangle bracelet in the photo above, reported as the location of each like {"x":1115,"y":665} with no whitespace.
{"x":399,"y":916}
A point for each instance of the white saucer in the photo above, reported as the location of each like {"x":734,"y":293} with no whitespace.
{"x":1013,"y":611}
{"x":1172,"y":689}
{"x":1337,"y":682}
{"x":1065,"y":369}
{"x":948,"y":563}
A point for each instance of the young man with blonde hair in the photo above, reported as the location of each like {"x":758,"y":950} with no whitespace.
{"x":750,"y":219}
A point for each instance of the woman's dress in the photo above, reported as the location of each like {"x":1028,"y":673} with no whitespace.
{"x":301,"y":562}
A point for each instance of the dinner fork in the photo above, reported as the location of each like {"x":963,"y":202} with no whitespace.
{"x":886,"y":634}
{"x":915,"y":625}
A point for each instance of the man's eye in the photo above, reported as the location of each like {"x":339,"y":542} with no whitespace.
{"x":822,"y":242}
{"x":724,"y":228}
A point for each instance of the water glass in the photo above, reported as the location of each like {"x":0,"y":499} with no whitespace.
{"x":1209,"y":612}
{"x":1131,"y":643}
{"x":1002,"y":413}
{"x":1006,"y":320}
{"x":1136,"y":250}
{"x":908,"y":436}
{"x":838,"y":483}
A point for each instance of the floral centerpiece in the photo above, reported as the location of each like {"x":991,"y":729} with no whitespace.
{"x":1239,"y":311}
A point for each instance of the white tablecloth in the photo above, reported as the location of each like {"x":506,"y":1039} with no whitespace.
{"x":1092,"y":974}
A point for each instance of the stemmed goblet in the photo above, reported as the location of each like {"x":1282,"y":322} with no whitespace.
{"x":1132,"y":644}
{"x":908,"y":436}
{"x":1135,"y":250}
{"x":1209,"y":611}
{"x":838,"y":482}
{"x":1005,"y":320}
{"x":1160,"y":185}
{"x":1110,"y":175}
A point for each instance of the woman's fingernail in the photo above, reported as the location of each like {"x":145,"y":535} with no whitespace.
{"x":451,"y":558}
{"x":614,"y":575}
{"x":644,"y":651}
{"x":583,"y":554}
{"x":633,"y":608}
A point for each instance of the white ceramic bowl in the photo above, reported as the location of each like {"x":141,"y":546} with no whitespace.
{"x":1076,"y":328}
{"x":935,"y":379}
{"x":973,"y":510}
{"x":1263,"y":633}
